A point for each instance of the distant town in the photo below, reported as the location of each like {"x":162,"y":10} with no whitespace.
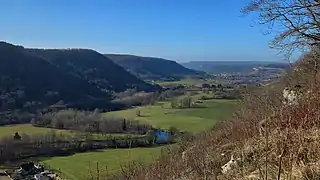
{"x":257,"y":76}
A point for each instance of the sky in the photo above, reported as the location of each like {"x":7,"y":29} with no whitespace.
{"x":181,"y":30}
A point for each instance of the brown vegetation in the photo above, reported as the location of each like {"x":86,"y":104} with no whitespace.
{"x":133,"y":98}
{"x":287,"y":146}
{"x":87,"y":121}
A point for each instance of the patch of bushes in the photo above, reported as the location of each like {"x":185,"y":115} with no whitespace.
{"x":182,"y":103}
{"x":137,"y":99}
{"x":89,"y":122}
{"x":23,"y":146}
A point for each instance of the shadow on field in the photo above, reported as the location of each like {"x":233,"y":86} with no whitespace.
{"x":199,"y":107}
{"x":144,"y":115}
{"x":48,"y":157}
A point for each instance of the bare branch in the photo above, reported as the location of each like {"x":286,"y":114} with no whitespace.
{"x":298,"y":20}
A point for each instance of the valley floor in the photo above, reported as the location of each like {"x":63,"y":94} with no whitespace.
{"x":190,"y":119}
{"x":10,"y":130}
{"x":81,"y":165}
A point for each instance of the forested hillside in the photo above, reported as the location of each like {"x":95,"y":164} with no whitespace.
{"x":28,"y":81}
{"x":34,"y":78}
{"x":93,"y":67}
{"x":151,"y":68}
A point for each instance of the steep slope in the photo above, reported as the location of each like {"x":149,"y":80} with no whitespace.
{"x":27,"y":81}
{"x":150,"y":68}
{"x":267,"y":138}
{"x":94,"y":68}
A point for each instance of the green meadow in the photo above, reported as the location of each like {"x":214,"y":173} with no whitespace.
{"x":186,"y":81}
{"x":82,"y":166}
{"x":23,"y":129}
{"x":192,"y":119}
{"x":10,"y":130}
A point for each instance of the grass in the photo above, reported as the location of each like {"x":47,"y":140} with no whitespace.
{"x":186,"y":81}
{"x":29,"y":129}
{"x":22,"y":128}
{"x":4,"y":178}
{"x":78,"y":166}
{"x":196,"y":119}
{"x":182,"y":82}
{"x":268,"y":140}
{"x":193,"y":119}
{"x":81,"y":165}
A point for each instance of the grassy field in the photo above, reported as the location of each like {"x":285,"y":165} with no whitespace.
{"x":29,"y":129}
{"x":182,"y":82}
{"x":78,"y":166}
{"x":193,"y":119}
{"x":188,"y":81}
{"x":81,"y":165}
{"x":4,"y":178}
{"x":22,"y":128}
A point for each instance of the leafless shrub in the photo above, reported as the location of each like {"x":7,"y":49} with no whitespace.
{"x":89,"y":122}
{"x":289,"y":146}
{"x":287,"y":149}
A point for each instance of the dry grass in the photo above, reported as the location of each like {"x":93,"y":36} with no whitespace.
{"x":288,"y":149}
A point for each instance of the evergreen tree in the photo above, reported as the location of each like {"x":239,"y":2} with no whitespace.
{"x":124,"y":125}
{"x":17,"y":136}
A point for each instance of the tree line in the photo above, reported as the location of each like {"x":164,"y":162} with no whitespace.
{"x":87,"y":121}
{"x":182,"y":103}
{"x":21,"y":146}
{"x":134,"y":98}
{"x":122,"y":100}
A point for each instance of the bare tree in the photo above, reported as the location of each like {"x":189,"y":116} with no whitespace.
{"x":296,"y":23}
{"x":138,"y":113}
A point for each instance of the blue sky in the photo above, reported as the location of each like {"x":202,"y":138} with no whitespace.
{"x":182,"y":30}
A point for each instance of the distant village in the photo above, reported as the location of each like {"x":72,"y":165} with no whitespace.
{"x":257,"y":76}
